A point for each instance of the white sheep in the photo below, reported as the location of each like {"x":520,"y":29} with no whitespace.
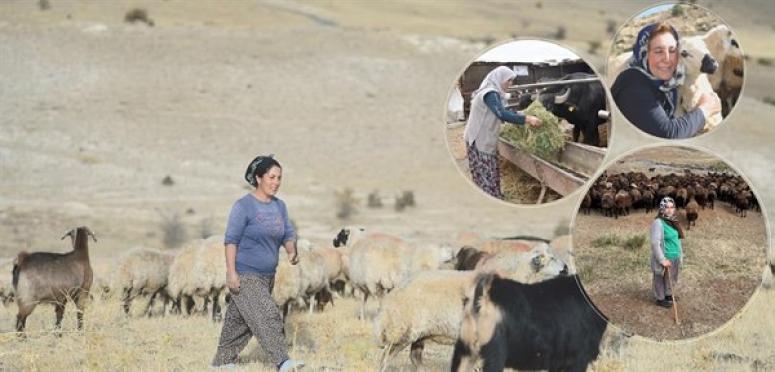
{"x":302,"y":282}
{"x":335,"y":265}
{"x":199,"y":270}
{"x":101,"y":281}
{"x":376,"y":265}
{"x":179,"y":279}
{"x":6,"y":285}
{"x":694,"y":54}
{"x":428,"y":256}
{"x":720,"y":43}
{"x":429,"y":306}
{"x":533,"y":266}
{"x":142,"y":271}
{"x":562,"y":248}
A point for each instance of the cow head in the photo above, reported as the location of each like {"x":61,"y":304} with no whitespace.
{"x":559,"y":99}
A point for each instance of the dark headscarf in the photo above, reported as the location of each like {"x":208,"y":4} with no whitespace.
{"x":672,"y":220}
{"x":639,"y":62}
{"x":260,"y":165}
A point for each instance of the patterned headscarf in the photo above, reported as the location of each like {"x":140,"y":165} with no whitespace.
{"x":639,"y":61}
{"x":494,"y":80}
{"x":663,"y":205}
{"x":250,"y":172}
{"x":672,"y":220}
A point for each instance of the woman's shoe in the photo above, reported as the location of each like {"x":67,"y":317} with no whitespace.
{"x":291,"y":365}
{"x":665,"y":303}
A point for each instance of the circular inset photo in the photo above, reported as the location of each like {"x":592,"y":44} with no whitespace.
{"x":527,"y":122}
{"x":675,"y":70}
{"x":670,"y":242}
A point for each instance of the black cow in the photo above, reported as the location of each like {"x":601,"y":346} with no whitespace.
{"x":547,"y":325}
{"x":578,"y":103}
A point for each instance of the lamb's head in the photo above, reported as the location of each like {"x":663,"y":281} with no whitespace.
{"x":696,"y":57}
{"x":721,"y":43}
{"x":348,"y":236}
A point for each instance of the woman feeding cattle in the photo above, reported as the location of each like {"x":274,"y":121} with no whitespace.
{"x":646,"y":91}
{"x":258,"y":225}
{"x":483,"y":128}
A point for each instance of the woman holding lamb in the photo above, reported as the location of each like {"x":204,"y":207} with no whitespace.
{"x":647,"y":91}
{"x":258,"y":225}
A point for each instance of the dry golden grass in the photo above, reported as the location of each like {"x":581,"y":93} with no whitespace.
{"x":331,"y":340}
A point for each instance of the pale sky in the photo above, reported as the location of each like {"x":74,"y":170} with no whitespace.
{"x":528,"y":51}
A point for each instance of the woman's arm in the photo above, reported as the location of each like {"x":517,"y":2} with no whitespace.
{"x":636,"y":100}
{"x":290,"y":248}
{"x":232,"y":279}
{"x":493,"y":101}
{"x":234,"y":230}
{"x":289,"y":238}
{"x":657,"y":236}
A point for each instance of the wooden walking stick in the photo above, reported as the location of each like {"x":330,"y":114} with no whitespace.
{"x":675,"y":303}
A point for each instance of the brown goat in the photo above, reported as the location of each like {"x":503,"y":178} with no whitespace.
{"x":44,"y":277}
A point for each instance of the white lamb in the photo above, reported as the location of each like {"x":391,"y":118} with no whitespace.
{"x":6,"y":285}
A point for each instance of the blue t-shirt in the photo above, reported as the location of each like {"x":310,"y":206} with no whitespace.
{"x":258,"y":230}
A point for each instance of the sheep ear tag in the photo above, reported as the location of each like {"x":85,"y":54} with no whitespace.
{"x":572,"y":108}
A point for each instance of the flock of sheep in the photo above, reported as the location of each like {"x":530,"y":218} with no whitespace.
{"x":616,"y":195}
{"x":714,"y":65}
{"x":420,"y":287}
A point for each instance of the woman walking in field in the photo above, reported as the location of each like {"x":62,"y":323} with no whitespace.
{"x":483,"y":128}
{"x":666,"y":252}
{"x":258,"y":225}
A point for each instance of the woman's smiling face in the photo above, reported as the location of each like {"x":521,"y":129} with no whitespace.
{"x":663,"y":55}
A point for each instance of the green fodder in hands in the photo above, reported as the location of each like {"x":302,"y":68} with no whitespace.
{"x":545,"y":141}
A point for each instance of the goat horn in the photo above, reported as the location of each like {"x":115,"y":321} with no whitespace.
{"x":88,"y":231}
{"x":562,"y":97}
{"x":69,"y":233}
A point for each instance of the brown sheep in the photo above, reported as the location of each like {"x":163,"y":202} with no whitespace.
{"x":607,"y":203}
{"x":623,"y":202}
{"x":692,"y":212}
{"x":742,"y":203}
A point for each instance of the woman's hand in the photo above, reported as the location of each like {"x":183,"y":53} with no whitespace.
{"x":232,"y":280}
{"x":709,"y":103}
{"x":532,"y":121}
{"x":293,"y":258}
{"x":666,"y":263}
